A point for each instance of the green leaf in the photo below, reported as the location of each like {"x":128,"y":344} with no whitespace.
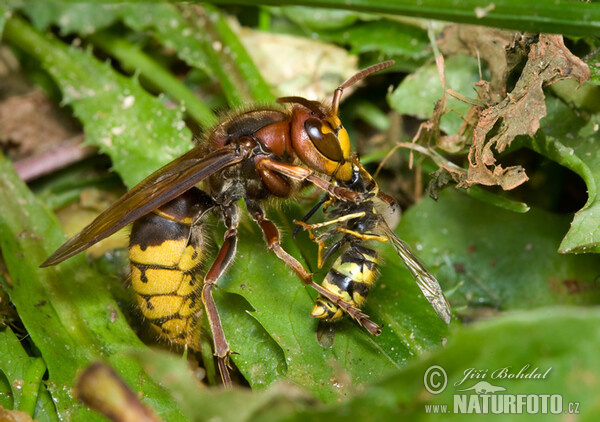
{"x":131,"y":56}
{"x":319,"y":18}
{"x":560,"y":343}
{"x":82,"y":18}
{"x":418,"y":92}
{"x":237,"y":404}
{"x":67,"y":310}
{"x":113,"y":109}
{"x":383,"y":37}
{"x":562,"y":16}
{"x":492,"y":258}
{"x":22,"y":372}
{"x":170,"y":29}
{"x":572,"y":142}
{"x":593,"y":61}
{"x":162,"y":18}
{"x":281,"y":304}
{"x":5,"y":14}
{"x":209,"y":45}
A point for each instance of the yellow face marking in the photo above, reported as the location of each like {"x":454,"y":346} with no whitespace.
{"x":340,"y":171}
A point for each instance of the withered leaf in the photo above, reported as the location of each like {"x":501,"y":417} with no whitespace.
{"x":520,"y":112}
{"x":488,"y":44}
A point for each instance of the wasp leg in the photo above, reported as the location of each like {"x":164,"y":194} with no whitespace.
{"x":272,"y":238}
{"x":311,"y":213}
{"x":363,"y":236}
{"x":301,"y":173}
{"x":219,"y":266}
{"x":330,"y":222}
{"x":319,"y":239}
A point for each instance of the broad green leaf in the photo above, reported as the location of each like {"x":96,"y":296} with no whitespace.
{"x":45,"y":410}
{"x":113,"y":109}
{"x":4,"y":14}
{"x":558,"y":342}
{"x":170,"y":28}
{"x":492,"y":258}
{"x":81,"y":18}
{"x":281,"y":304}
{"x":67,"y":310}
{"x":202,"y":404}
{"x":260,"y":359}
{"x":383,"y":37}
{"x":593,"y":61}
{"x":418,"y":92}
{"x":319,"y":18}
{"x":562,"y":16}
{"x":210,"y":45}
{"x":130,"y":55}
{"x":572,"y":142}
{"x":167,"y":24}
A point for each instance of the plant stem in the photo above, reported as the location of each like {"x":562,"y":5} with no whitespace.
{"x":556,"y":17}
{"x":240,"y":79}
{"x":31,"y":387}
{"x":131,"y":55}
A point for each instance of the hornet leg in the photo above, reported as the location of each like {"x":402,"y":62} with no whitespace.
{"x":219,"y":266}
{"x":272,"y":238}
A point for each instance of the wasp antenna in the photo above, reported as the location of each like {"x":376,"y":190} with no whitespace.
{"x":337,"y":95}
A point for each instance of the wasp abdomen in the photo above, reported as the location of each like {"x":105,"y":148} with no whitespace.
{"x":350,"y":277}
{"x":166,"y":254}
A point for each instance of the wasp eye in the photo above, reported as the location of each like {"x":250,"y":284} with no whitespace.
{"x":324,"y":139}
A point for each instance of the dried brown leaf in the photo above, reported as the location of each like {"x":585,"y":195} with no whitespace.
{"x":31,"y":123}
{"x":14,"y":416}
{"x":487,"y":44}
{"x":520,"y":112}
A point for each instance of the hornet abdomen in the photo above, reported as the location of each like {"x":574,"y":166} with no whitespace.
{"x":166,"y":251}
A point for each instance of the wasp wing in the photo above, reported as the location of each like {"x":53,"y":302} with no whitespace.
{"x":157,"y":189}
{"x":425,"y":280}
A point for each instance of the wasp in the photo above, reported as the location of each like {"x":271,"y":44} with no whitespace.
{"x":355,"y":270}
{"x":252,"y":155}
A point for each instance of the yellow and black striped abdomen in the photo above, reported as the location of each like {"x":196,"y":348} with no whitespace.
{"x":350,"y":277}
{"x":166,"y":254}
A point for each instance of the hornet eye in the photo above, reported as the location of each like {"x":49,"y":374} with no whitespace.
{"x":326,"y":143}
